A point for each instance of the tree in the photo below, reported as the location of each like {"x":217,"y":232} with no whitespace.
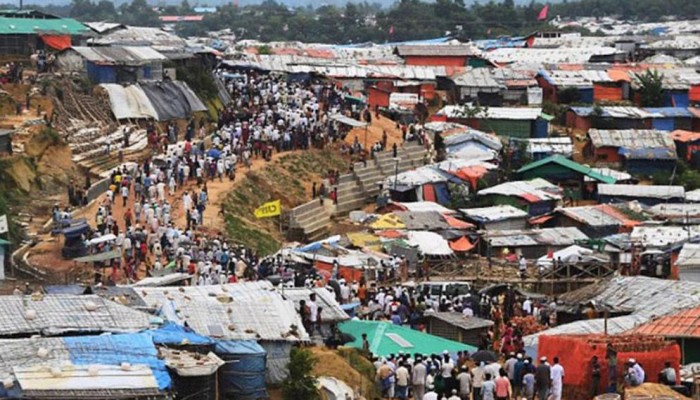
{"x":651,"y":89}
{"x":299,"y":384}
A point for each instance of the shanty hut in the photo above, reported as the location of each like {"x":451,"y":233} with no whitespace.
{"x":455,"y":326}
{"x":529,"y":243}
{"x":564,"y":172}
{"x":687,"y":145}
{"x":113,"y":64}
{"x":599,"y":220}
{"x":640,"y":151}
{"x":442,"y":55}
{"x":52,"y":315}
{"x":682,"y":327}
{"x":26,"y":31}
{"x":503,"y":217}
{"x":536,"y":197}
{"x":520,"y":122}
{"x":122,"y":366}
{"x":242,"y":311}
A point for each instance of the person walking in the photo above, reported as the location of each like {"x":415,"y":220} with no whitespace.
{"x":464,"y":379}
{"x":557,"y":375}
{"x":543,"y":379}
{"x":503,"y":389}
{"x":419,"y":376}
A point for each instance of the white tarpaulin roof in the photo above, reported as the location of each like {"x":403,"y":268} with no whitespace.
{"x":129,"y":102}
{"x":572,"y":254}
{"x":689,"y":255}
{"x":429,"y":243}
{"x":78,"y":377}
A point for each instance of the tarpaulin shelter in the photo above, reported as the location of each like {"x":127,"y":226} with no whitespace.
{"x":161,"y":101}
{"x":575,"y":353}
{"x":385,"y":338}
{"x":243,"y":375}
{"x":461,"y":245}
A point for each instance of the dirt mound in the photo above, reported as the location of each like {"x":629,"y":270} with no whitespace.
{"x":348,"y":366}
{"x":653,"y":389}
{"x":288,"y":179}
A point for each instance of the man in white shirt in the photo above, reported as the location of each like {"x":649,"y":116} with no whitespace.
{"x":465,"y":384}
{"x":430,"y":395}
{"x":527,"y":306}
{"x":313,"y":312}
{"x":557,"y":375}
{"x":420,"y":373}
{"x":402,"y":377}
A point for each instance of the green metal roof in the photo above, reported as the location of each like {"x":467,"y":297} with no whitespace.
{"x":572,"y":165}
{"x":28,"y":26}
{"x":386,"y":338}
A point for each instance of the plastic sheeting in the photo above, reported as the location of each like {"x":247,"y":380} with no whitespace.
{"x":243,"y":375}
{"x":57,"y":42}
{"x":173,"y":334}
{"x":129,"y":102}
{"x":137,"y":348}
{"x":161,"y":101}
{"x":429,"y":243}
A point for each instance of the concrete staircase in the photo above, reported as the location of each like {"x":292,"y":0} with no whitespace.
{"x":311,"y":221}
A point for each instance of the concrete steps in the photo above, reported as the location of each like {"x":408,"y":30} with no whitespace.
{"x":355,"y":190}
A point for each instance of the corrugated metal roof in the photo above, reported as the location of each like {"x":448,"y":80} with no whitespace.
{"x":645,"y":297}
{"x":613,"y":173}
{"x":510,"y":113}
{"x":495,"y":213}
{"x":425,"y":206}
{"x":116,"y":55}
{"x":59,"y":314}
{"x":439,"y":50}
{"x":102,"y":27}
{"x":240,"y":311}
{"x":662,"y":236}
{"x":553,"y":145}
{"x":632,"y":139}
{"x":689,"y":256}
{"x":583,"y":78}
{"x":597,"y":215}
{"x":561,"y":236}
{"x":642,"y":191}
{"x":459,"y":320}
{"x":684,"y":324}
{"x":422,"y":220}
{"x":140,"y":36}
{"x":476,"y":77}
{"x":693,"y":195}
{"x":676,"y":212}
{"x":547,"y":56}
{"x":566,"y":163}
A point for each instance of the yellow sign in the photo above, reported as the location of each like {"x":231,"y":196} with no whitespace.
{"x":271,"y":209}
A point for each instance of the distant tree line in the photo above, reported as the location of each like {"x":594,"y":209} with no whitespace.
{"x":363,"y":22}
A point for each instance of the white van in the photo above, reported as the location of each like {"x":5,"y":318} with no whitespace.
{"x":434,"y":290}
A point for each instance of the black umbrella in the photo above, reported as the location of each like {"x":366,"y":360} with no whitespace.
{"x":486,"y":356}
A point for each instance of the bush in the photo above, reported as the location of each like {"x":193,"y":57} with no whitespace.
{"x":299,"y":384}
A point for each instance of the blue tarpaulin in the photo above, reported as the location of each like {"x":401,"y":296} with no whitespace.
{"x":442,"y":193}
{"x":136,"y":348}
{"x":174,"y":335}
{"x":243,"y":375}
{"x":663,"y":124}
{"x":586,"y":95}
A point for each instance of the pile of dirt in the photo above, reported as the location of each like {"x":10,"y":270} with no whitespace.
{"x":348,"y":366}
{"x":657,"y":391}
{"x":288,"y":179}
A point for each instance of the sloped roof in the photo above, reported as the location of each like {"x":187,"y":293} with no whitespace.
{"x":524,"y":189}
{"x":645,"y":297}
{"x":29,"y":26}
{"x":561,"y":236}
{"x":60,"y":314}
{"x":598,"y":215}
{"x":444,"y":50}
{"x":689,"y":256}
{"x":582,"y":78}
{"x":476,"y":77}
{"x":240,"y":311}
{"x":495,"y":213}
{"x":680,"y":135}
{"x":572,"y":165}
{"x":632,"y":139}
{"x":510,"y":113}
{"x":119,"y":55}
{"x":422,"y":220}
{"x":460,"y":320}
{"x":642,"y":191}
{"x":386,"y":338}
{"x":685,"y":324}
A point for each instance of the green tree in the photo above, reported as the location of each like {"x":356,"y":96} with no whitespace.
{"x":299,"y":384}
{"x":651,"y":89}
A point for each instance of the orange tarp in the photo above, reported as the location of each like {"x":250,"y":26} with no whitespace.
{"x":57,"y":42}
{"x":615,"y":213}
{"x":619,"y":75}
{"x":694,"y":93}
{"x":461,"y":244}
{"x":429,"y":193}
{"x":457,"y":223}
{"x":390,"y":234}
{"x":471,"y":174}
